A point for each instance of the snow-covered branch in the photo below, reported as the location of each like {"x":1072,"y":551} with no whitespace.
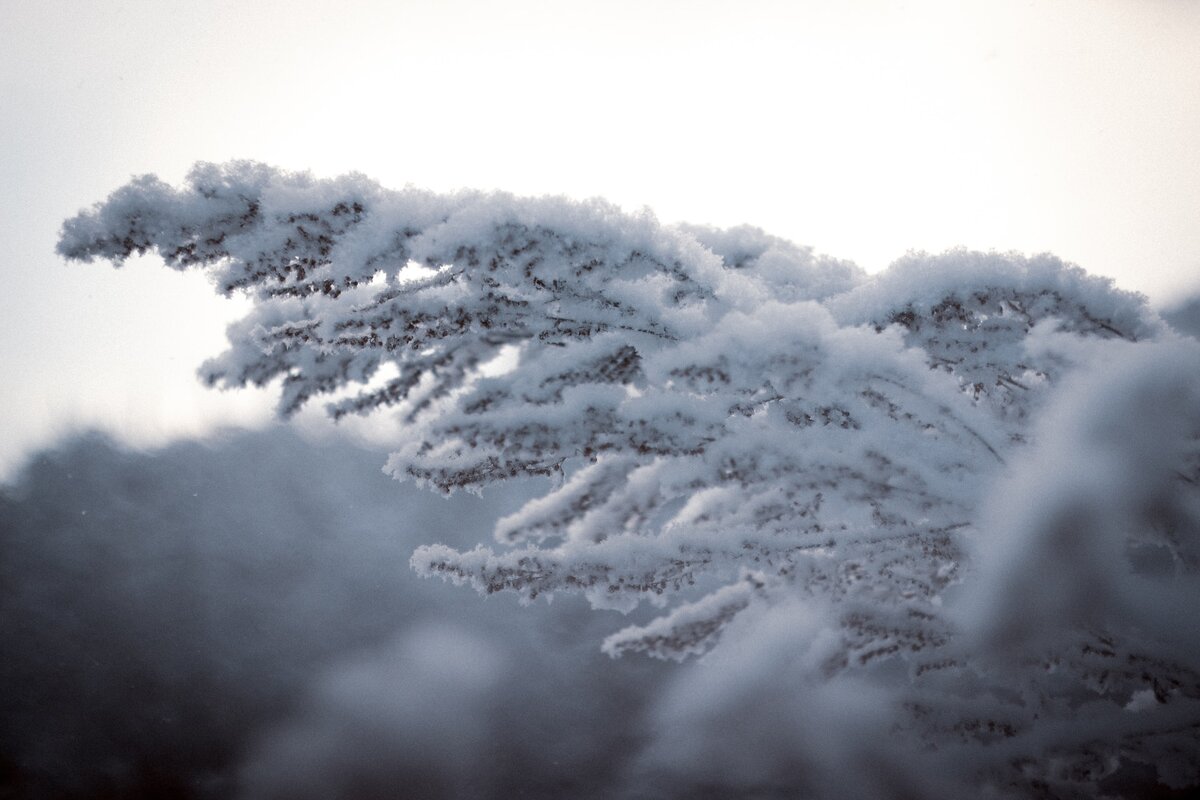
{"x":734,"y":427}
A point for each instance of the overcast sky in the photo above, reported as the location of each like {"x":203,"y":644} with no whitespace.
{"x":863,"y":128}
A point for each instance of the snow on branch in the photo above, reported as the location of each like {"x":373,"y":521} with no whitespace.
{"x":733,"y":424}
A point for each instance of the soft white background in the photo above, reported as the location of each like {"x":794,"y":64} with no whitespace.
{"x":863,"y":128}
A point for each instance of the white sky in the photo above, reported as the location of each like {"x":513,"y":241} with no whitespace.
{"x":862,"y":127}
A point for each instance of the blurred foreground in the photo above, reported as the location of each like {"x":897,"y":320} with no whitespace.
{"x":238,"y":618}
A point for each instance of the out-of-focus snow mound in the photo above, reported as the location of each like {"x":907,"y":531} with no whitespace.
{"x":1098,"y":527}
{"x":239,"y":618}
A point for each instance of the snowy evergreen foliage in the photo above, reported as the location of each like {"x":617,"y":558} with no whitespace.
{"x":970,"y":482}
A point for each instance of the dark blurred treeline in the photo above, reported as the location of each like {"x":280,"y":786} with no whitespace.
{"x":225,"y":618}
